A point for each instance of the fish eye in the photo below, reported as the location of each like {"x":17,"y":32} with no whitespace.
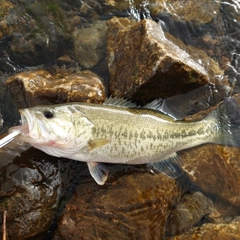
{"x":48,"y":114}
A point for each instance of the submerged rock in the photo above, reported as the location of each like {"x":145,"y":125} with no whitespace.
{"x":212,"y":231}
{"x":32,"y":88}
{"x":90,"y":44}
{"x":188,"y":104}
{"x":132,"y":206}
{"x":191,"y":10}
{"x":145,"y":65}
{"x":192,"y":208}
{"x":215,"y":169}
{"x":30,"y":34}
{"x":31,"y":186}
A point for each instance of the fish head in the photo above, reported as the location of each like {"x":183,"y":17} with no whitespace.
{"x":62,"y":126}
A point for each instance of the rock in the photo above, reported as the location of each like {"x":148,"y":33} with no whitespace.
{"x":30,"y":35}
{"x":31,"y":187}
{"x":188,"y":212}
{"x":215,"y":170}
{"x":192,"y":10}
{"x":203,"y":98}
{"x":212,"y":68}
{"x":212,"y":231}
{"x":9,"y":20}
{"x":144,"y":65}
{"x":32,"y":88}
{"x":134,"y":206}
{"x":90,"y":44}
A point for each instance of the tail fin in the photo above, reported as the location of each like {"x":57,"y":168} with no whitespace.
{"x":228,"y":115}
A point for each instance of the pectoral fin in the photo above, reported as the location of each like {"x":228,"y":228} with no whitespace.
{"x":99,"y":172}
{"x":171,"y":166}
{"x":96,"y":143}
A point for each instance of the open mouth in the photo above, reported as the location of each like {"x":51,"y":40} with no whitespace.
{"x":26,"y":123}
{"x":25,"y":126}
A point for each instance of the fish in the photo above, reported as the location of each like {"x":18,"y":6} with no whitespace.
{"x":120,"y":132}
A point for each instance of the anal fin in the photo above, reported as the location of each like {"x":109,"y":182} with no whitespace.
{"x":99,"y":172}
{"x":171,"y":166}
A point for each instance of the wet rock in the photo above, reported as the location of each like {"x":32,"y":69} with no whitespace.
{"x":132,"y":206}
{"x":90,"y":44}
{"x":31,"y":187}
{"x":189,"y":212}
{"x":144,"y":65}
{"x":212,"y":231}
{"x":30,"y":35}
{"x":212,"y":68}
{"x":9,"y":19}
{"x":32,"y":88}
{"x":192,"y":10}
{"x":65,"y":61}
{"x":203,"y":98}
{"x":215,"y":170}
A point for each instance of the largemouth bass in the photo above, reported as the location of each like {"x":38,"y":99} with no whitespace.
{"x":120,"y":132}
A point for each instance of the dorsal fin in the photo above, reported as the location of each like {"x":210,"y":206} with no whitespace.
{"x":155,"y":104}
{"x":119,"y":102}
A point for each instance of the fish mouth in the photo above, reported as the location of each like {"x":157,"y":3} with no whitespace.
{"x":25,"y":119}
{"x":25,"y":126}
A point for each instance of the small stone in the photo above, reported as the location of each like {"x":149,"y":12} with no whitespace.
{"x":187,"y":213}
{"x":33,"y":88}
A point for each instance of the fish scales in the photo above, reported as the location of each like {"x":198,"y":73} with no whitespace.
{"x":120,"y":132}
{"x":139,"y":135}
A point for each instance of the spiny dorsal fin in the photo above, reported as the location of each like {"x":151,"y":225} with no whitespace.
{"x":119,"y":102}
{"x":155,"y":104}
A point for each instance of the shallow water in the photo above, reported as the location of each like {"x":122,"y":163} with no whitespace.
{"x":42,"y":180}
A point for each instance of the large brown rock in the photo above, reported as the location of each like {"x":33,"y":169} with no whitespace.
{"x":133,"y":206}
{"x":215,"y":170}
{"x":145,"y":65}
{"x":32,"y":88}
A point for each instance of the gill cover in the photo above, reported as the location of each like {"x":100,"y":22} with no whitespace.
{"x":62,"y":126}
